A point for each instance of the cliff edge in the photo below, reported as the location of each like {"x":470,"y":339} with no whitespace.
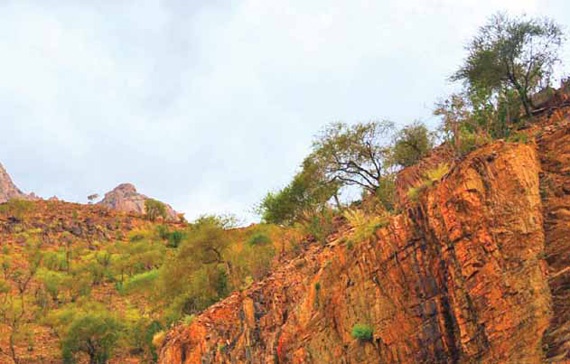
{"x":476,"y":270}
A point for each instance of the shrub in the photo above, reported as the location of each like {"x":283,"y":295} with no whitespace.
{"x":52,"y":282}
{"x":163,"y":231}
{"x":154,"y":209}
{"x":437,"y":173}
{"x":175,"y":238}
{"x":318,"y":225}
{"x":56,"y":261}
{"x":364,"y":225}
{"x":95,"y":333}
{"x":471,"y":140}
{"x":386,"y":192}
{"x":362,"y":332}
{"x":518,"y":138}
{"x":158,"y":339}
{"x":188,"y":319}
{"x":430,"y":176}
{"x":259,"y":239}
{"x":415,"y":192}
{"x":412,"y":144}
{"x":17,"y":208}
{"x":140,"y":281}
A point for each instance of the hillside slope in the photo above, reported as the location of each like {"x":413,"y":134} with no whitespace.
{"x":75,"y":247}
{"x":475,"y":271}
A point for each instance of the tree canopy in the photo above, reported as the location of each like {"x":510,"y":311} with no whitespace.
{"x":511,"y":53}
{"x":412,"y":144}
{"x":355,"y":154}
{"x":342,"y":155}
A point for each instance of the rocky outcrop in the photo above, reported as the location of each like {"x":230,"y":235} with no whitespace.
{"x":459,"y":276}
{"x":8,"y":189}
{"x":554,"y":147}
{"x":125,"y":198}
{"x":411,"y":176}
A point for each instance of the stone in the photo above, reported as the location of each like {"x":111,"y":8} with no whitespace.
{"x":125,"y":198}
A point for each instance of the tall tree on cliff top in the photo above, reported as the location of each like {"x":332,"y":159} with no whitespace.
{"x":359,"y":154}
{"x":343,"y":155}
{"x":511,"y":54}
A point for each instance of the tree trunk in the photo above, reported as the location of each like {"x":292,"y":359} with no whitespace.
{"x":12,"y":348}
{"x":337,"y":202}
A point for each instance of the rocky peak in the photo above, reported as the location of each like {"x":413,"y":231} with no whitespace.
{"x":8,"y":189}
{"x":125,"y":197}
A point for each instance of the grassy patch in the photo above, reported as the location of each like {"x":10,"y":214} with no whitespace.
{"x":362,"y":332}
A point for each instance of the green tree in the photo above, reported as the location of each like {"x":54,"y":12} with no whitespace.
{"x":511,"y":53}
{"x":154,"y":209}
{"x":413,"y":143}
{"x":197,"y":275}
{"x":15,"y":309}
{"x":356,"y":154}
{"x":308,"y":193}
{"x":94,"y":332}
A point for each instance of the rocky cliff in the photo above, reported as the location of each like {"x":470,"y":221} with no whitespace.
{"x":475,"y":271}
{"x":8,"y":189}
{"x":125,"y":198}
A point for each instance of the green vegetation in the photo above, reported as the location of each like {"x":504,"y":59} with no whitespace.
{"x":413,"y":143}
{"x":364,"y":225}
{"x":362,"y":332}
{"x":509,"y":61}
{"x":154,"y":209}
{"x":259,"y":239}
{"x":114,"y":287}
{"x":511,"y":55}
{"x":354,"y":155}
{"x":16,"y":208}
{"x":430,"y":177}
{"x":307,"y":194}
{"x":95,"y":333}
{"x":343,"y":156}
{"x":112,"y":299}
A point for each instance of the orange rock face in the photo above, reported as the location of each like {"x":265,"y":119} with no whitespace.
{"x":459,"y":276}
{"x":554,"y":147}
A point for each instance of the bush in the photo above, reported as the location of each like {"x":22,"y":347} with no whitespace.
{"x":471,"y":140}
{"x":56,"y":261}
{"x":154,"y":209}
{"x":362,"y":332}
{"x":140,"y":281}
{"x":175,"y":238}
{"x":17,"y":208}
{"x":364,"y":225}
{"x":386,"y":192}
{"x":158,"y":339}
{"x":518,"y":138}
{"x":412,"y":144}
{"x":318,"y":225}
{"x":259,"y":239}
{"x":430,"y":176}
{"x":95,"y":333}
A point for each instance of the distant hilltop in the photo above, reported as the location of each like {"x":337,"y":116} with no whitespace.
{"x":8,"y":189}
{"x":124,"y":197}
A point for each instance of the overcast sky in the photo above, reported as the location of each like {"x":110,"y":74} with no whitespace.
{"x":207,"y":105}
